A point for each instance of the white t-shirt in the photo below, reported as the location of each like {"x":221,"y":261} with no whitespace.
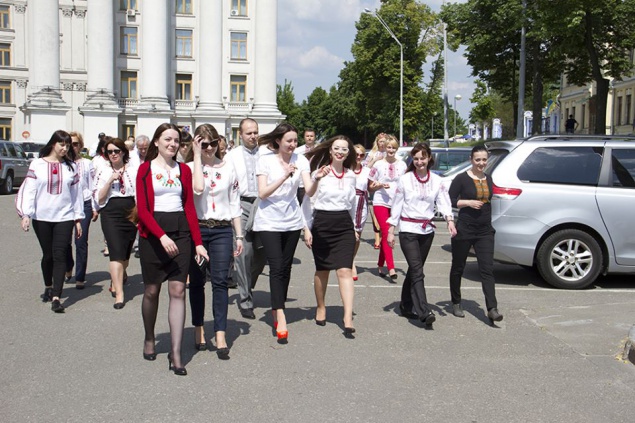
{"x":386,"y":173}
{"x":280,"y":212}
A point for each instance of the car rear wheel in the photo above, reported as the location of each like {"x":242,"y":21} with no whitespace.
{"x":7,"y":185}
{"x":570,"y":259}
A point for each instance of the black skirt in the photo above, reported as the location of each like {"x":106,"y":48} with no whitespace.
{"x":333,"y":240}
{"x":156,"y":265}
{"x":119,"y":232}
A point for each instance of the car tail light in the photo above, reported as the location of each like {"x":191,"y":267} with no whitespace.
{"x":506,"y":193}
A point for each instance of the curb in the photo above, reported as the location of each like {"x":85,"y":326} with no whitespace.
{"x":629,"y":348}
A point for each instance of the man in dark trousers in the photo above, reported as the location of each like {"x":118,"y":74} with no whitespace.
{"x":571,"y":125}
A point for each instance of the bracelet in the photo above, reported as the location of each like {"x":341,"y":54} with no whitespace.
{"x":240,"y":237}
{"x":314,"y":178}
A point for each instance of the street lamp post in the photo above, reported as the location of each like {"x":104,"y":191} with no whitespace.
{"x":456,"y":97}
{"x":375,"y":14}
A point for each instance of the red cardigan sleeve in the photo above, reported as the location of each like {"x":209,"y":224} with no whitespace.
{"x":145,"y":208}
{"x":188,"y":204}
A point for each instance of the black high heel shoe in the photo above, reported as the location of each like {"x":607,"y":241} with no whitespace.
{"x":223,"y":353}
{"x":150,"y":357}
{"x":179,"y":371}
{"x":320,"y":322}
{"x":201,"y":347}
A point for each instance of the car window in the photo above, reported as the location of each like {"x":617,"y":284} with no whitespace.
{"x":3,"y":151}
{"x":562,"y":165}
{"x":11,"y":149}
{"x":19,"y":151}
{"x":494,"y":158}
{"x":623,"y":166}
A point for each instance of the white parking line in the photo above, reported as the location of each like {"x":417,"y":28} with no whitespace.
{"x":507,"y":288}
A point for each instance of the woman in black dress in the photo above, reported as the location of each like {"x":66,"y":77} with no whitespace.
{"x":471,"y":192}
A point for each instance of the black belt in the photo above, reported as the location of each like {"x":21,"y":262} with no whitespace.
{"x":213,"y":223}
{"x":248,"y":199}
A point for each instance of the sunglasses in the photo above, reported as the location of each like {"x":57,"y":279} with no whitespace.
{"x":75,"y":144}
{"x":115,"y":151}
{"x":206,"y":145}
{"x":360,"y":155}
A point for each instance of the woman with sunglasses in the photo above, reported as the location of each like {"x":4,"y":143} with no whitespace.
{"x":361,"y":197}
{"x":50,"y":197}
{"x":332,"y":234}
{"x":377,"y":152}
{"x":115,"y":195}
{"x":168,"y":228}
{"x":217,"y":202}
{"x":86,"y":176}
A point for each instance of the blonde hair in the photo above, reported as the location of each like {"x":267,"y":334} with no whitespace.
{"x":75,"y":134}
{"x":377,"y":138}
{"x":360,"y":147}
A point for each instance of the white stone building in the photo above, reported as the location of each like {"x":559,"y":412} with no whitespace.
{"x":122,"y":67}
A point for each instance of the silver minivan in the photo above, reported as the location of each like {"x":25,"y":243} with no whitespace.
{"x":563,"y":205}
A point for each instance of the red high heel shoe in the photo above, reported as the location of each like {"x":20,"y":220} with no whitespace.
{"x":282,"y":336}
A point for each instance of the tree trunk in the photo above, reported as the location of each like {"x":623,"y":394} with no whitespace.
{"x":601,"y":82}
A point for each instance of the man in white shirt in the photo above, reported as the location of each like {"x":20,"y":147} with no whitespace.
{"x":309,"y":144}
{"x":250,"y":263}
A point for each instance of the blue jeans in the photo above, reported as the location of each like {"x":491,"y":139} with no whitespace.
{"x":81,"y":246}
{"x":219,"y":243}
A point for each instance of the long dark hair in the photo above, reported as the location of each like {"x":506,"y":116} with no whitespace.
{"x":273,"y":138}
{"x":424,"y":149}
{"x":321,"y":155}
{"x":60,"y":136}
{"x":153,"y":150}
{"x":208,"y":133}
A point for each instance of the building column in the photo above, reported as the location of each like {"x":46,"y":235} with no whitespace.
{"x":101,"y":108}
{"x":266,"y":47}
{"x":209,"y":65}
{"x":45,"y":109}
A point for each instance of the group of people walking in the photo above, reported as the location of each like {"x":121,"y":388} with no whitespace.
{"x":229,"y":215}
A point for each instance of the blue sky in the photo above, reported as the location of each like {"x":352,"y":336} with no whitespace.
{"x":315,"y":38}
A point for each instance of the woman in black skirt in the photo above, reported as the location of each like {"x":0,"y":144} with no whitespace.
{"x":332,"y":236}
{"x":167,"y":227}
{"x":115,"y":195}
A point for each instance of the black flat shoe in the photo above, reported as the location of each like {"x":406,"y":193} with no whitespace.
{"x":179,"y":371}
{"x":118,"y":306}
{"x":348,"y":333}
{"x":57,"y":307}
{"x":46,"y":297}
{"x":247,"y":313}
{"x":394,"y":276}
{"x":201,"y":347}
{"x":494,"y":315}
{"x":79,"y":285}
{"x":150,"y":357}
{"x":320,"y":322}
{"x":223,"y":353}
{"x":429,"y":319}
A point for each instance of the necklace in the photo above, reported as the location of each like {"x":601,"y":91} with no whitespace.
{"x":357,"y":172}
{"x":424,"y":180}
{"x":335,"y":173}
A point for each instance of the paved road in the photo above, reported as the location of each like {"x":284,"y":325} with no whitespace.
{"x":553,"y":358}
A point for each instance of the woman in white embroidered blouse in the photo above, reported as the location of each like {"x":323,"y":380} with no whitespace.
{"x":332,"y":237}
{"x":115,"y":195}
{"x":383,"y":179}
{"x":361,"y":192}
{"x":51,"y":197}
{"x":217,"y":202}
{"x":412,"y":210}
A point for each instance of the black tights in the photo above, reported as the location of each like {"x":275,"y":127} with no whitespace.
{"x":176,"y":316}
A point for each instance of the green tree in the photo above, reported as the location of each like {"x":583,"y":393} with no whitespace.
{"x":371,"y":81}
{"x":483,"y":111}
{"x":285,"y":98}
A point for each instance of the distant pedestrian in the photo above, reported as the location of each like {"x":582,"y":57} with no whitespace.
{"x":51,"y":197}
{"x":571,"y":125}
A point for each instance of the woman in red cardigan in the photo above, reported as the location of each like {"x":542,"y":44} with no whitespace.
{"x":167,"y":227}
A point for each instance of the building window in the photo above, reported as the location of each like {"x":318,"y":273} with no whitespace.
{"x":128,"y":84}
{"x":183,"y":87}
{"x":184,"y":7}
{"x":5,"y":129}
{"x":129,"y":40}
{"x":583,"y":119}
{"x":5,"y":23}
{"x":629,"y":104}
{"x":128,"y":4}
{"x":5,"y":54}
{"x":619,"y":110}
{"x":238,"y":88}
{"x":183,"y":43}
{"x":239,"y":45}
{"x":5,"y":92}
{"x":239,"y":7}
{"x":127,"y":131}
